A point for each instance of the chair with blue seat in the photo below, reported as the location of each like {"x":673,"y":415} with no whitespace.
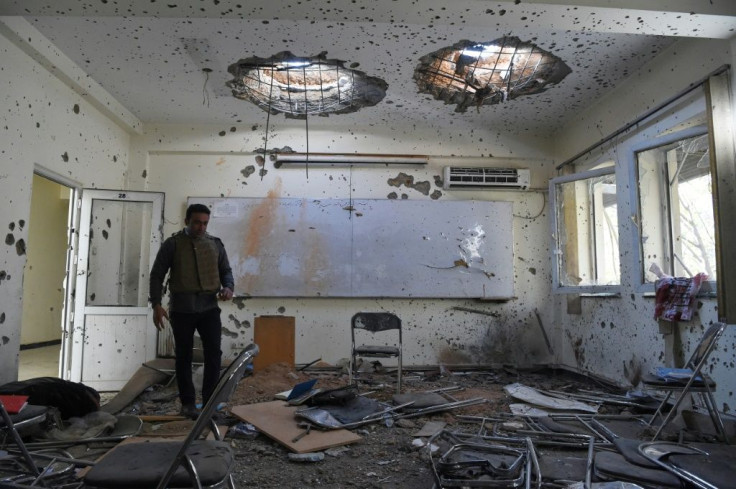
{"x":374,"y":323}
{"x":690,"y":380}
{"x":192,"y":462}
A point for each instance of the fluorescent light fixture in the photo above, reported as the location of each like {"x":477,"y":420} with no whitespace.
{"x":331,"y":159}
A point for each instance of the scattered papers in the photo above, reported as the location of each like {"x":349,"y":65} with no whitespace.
{"x":674,"y":374}
{"x":520,"y":409}
{"x":532,"y":396}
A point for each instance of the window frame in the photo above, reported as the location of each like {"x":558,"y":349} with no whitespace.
{"x":640,"y":285}
{"x":593,"y":290}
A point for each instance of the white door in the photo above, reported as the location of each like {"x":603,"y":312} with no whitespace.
{"x":111,"y":332}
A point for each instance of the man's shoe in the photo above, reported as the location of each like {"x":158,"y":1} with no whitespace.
{"x":189,"y":411}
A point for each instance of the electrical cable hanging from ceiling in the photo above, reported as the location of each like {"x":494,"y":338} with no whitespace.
{"x":306,"y":119}
{"x":268,"y":121}
{"x":205,"y":93}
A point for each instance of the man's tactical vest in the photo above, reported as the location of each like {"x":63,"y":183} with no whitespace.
{"x":194,"y":269}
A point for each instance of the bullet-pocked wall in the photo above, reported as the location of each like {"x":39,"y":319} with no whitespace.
{"x":618,"y":337}
{"x":434,"y":330}
{"x":43,"y":123}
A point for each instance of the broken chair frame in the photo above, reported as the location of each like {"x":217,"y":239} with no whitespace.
{"x":99,"y":475}
{"x":522,"y":448}
{"x":21,"y":466}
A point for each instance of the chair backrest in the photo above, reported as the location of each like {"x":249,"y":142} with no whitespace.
{"x":706,"y":345}
{"x":224,"y":389}
{"x":375,"y":321}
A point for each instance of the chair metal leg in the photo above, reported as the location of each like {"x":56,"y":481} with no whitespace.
{"x":670,"y":414}
{"x":398,"y":381}
{"x":351,"y":366}
{"x":659,"y":408}
{"x":715,"y":416}
{"x":18,"y":441}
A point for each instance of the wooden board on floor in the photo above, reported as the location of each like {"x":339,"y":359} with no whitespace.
{"x":276,"y":420}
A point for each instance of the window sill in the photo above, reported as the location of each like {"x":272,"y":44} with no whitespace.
{"x":591,"y":291}
{"x":707,"y":291}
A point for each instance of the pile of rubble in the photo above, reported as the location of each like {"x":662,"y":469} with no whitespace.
{"x":446,"y":428}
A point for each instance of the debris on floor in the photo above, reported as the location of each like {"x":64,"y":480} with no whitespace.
{"x":308,"y":427}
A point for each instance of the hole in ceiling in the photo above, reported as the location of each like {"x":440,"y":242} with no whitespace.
{"x":483,"y":73}
{"x":298,"y":87}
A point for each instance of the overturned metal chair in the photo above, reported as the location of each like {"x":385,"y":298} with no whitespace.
{"x":22,"y":467}
{"x":693,"y":380}
{"x":9,"y":427}
{"x":188,"y":463}
{"x":375,"y":322}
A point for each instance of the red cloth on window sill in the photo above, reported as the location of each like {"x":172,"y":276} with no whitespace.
{"x":675,"y":297}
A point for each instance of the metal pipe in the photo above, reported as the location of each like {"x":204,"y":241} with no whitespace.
{"x":293,"y":159}
{"x":443,"y":407}
{"x":646,"y":114}
{"x":589,"y":466}
{"x":535,"y":460}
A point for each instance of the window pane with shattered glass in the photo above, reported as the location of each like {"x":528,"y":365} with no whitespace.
{"x":676,"y":209}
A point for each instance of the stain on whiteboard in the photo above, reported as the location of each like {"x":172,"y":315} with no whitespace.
{"x":225,"y":209}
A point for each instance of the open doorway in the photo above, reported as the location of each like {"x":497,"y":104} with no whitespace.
{"x":43,"y":279}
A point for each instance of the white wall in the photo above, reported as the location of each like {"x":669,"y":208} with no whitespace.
{"x":434,"y":332}
{"x":617,"y":337}
{"x":42,"y":122}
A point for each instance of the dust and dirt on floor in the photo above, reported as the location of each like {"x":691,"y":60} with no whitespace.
{"x":485,"y":428}
{"x":389,"y":453}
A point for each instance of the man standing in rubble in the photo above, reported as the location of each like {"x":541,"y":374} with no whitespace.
{"x":200,"y":274}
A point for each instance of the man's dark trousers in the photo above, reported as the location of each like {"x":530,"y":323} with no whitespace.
{"x":209,"y":327}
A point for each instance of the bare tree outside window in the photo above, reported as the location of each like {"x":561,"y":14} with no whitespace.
{"x":676,"y":208}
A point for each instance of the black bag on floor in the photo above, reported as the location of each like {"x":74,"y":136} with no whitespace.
{"x":70,"y":398}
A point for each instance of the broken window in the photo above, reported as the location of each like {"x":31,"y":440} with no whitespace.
{"x":586,"y":230}
{"x":676,"y":209}
{"x":483,"y":73}
{"x":298,"y":87}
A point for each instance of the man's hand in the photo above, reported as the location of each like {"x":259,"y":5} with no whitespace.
{"x":159,"y":313}
{"x":225,"y":294}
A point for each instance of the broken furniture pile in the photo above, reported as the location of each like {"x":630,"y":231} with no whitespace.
{"x":511,"y":436}
{"x":183,"y":462}
{"x":323,"y":419}
{"x":577,"y":448}
{"x":548,"y":439}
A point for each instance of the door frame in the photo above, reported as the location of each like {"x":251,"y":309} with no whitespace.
{"x":67,"y":306}
{"x":73,"y":342}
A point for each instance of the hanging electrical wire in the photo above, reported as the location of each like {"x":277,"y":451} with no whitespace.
{"x":306,"y":122}
{"x":205,"y":93}
{"x":265,"y":144}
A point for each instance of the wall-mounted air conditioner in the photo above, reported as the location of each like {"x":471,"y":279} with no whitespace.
{"x":486,"y":178}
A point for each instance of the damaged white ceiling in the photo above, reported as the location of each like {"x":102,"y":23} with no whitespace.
{"x":153,"y":55}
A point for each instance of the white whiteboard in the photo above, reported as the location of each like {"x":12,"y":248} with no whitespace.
{"x":365,"y":248}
